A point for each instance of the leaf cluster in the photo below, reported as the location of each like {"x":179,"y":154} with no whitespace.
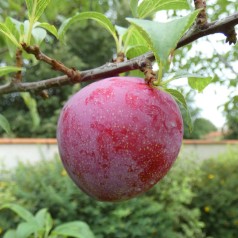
{"x":141,"y":36}
{"x":231,"y":113}
{"x":41,"y":225}
{"x":202,"y":127}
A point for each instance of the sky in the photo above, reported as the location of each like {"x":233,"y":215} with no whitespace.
{"x":214,"y":96}
{"x":210,"y":102}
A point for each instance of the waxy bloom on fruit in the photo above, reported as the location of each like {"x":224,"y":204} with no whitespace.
{"x":118,"y":137}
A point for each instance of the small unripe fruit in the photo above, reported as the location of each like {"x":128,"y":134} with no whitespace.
{"x":118,"y":137}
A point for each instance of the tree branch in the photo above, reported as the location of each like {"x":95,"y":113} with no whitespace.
{"x":73,"y":74}
{"x":201,"y":21}
{"x":19,"y":63}
{"x":112,"y":69}
{"x":219,"y":26}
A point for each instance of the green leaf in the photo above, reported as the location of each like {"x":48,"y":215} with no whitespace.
{"x":32,"y":106}
{"x":4,"y":70}
{"x":36,"y":8}
{"x":19,"y":210}
{"x":134,"y":44}
{"x":135,"y":51}
{"x":10,"y":234}
{"x":121,"y":32}
{"x":25,"y":229}
{"x":99,"y":17}
{"x":30,"y":6}
{"x":162,"y":38}
{"x":40,"y":217}
{"x":39,"y":35}
{"x":136,"y":73}
{"x":195,"y":81}
{"x":76,"y":229}
{"x":180,"y":98}
{"x":198,"y":82}
{"x":44,"y":220}
{"x":235,"y":99}
{"x":26,"y":29}
{"x":133,"y":6}
{"x":14,"y":26}
{"x":9,"y":35}
{"x":148,"y":7}
{"x":4,"y":124}
{"x":11,"y":48}
{"x":189,"y":121}
{"x":48,"y":27}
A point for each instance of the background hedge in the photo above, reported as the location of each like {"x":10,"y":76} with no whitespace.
{"x":195,"y":200}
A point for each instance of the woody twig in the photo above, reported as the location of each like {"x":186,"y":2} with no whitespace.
{"x":201,"y":21}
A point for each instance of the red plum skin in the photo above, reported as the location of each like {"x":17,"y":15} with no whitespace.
{"x":118,"y":137}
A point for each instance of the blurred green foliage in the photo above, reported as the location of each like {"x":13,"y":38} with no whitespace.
{"x":86,"y":46}
{"x":217,"y":195}
{"x":202,"y":127}
{"x":231,"y":113}
{"x":41,"y":225}
{"x":164,"y":212}
{"x":195,"y":200}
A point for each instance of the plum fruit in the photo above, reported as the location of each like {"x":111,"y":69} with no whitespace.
{"x":118,"y":137}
